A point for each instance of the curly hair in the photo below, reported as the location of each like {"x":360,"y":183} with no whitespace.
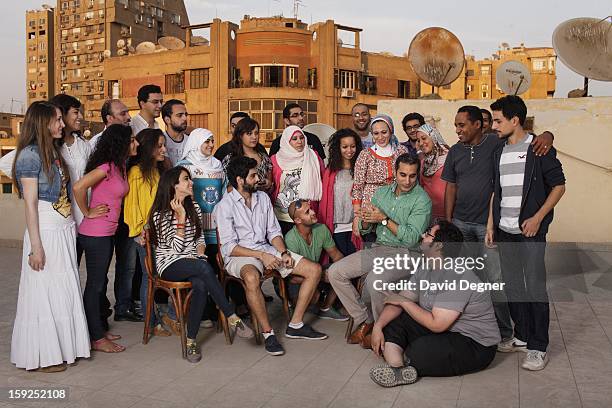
{"x":161,"y":204}
{"x":148,"y":140}
{"x":113,"y":147}
{"x":335,"y":155}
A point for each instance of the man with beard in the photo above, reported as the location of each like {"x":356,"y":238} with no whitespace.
{"x":361,"y":124}
{"x":174,"y":113}
{"x":251,"y":240}
{"x":150,"y":100}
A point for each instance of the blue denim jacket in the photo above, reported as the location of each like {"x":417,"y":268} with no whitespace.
{"x":29,"y":165}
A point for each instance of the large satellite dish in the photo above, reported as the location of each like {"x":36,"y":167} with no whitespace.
{"x":585,"y":45}
{"x":145,"y":47}
{"x":513,"y":78}
{"x":171,"y":43}
{"x":436,"y":56}
{"x":324,"y":132}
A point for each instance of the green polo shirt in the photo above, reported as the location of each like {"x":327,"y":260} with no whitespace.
{"x":321,"y":239}
{"x":411,"y":211}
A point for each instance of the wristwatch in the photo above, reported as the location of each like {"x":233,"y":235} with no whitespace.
{"x":284,"y":252}
{"x":385,"y":222}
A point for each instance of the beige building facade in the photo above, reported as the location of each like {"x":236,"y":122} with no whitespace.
{"x":40,"y":45}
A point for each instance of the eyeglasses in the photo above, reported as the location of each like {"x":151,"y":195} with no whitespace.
{"x":295,"y":115}
{"x":411,"y":128}
{"x":429,"y":234}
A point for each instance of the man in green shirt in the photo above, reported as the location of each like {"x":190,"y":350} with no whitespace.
{"x":309,"y":238}
{"x":400,"y":212}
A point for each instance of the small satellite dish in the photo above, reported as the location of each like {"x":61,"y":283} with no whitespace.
{"x":171,"y":43}
{"x":585,"y":45}
{"x":120,"y":43}
{"x":513,"y":78}
{"x":199,"y":40}
{"x":107,"y":53}
{"x":159,"y":48}
{"x":145,"y":47}
{"x":436,"y":56}
{"x":121,"y":52}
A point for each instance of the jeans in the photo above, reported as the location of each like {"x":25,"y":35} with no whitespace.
{"x":343,"y":242}
{"x":474,"y":236}
{"x":204,"y":281}
{"x":98,"y":255}
{"x":125,"y":261}
{"x":524,"y":270}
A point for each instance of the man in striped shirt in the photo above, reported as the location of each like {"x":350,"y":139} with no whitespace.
{"x":526,"y":189}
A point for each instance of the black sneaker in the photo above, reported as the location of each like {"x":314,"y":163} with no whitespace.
{"x":305,"y":332}
{"x":273,"y":347}
{"x":128,"y":316}
{"x":193,"y":353}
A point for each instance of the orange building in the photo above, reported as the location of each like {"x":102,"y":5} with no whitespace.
{"x":40,"y":69}
{"x":477,"y":80}
{"x":261,"y":65}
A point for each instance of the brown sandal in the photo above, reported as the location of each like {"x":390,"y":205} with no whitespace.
{"x":106,"y":346}
{"x":52,"y":369}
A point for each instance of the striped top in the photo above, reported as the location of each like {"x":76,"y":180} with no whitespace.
{"x":511,"y":176}
{"x":172,"y":247}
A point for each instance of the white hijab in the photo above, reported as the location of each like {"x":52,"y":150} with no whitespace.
{"x":288,"y":158}
{"x":192,"y":151}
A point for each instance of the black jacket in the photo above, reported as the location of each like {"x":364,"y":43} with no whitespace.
{"x":311,"y":139}
{"x":542,"y":173}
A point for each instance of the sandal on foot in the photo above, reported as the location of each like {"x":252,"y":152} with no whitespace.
{"x":106,"y":346}
{"x":52,"y":369}
{"x":387,"y":376}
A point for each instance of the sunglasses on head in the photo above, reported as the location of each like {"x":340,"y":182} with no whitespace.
{"x":298,"y":205}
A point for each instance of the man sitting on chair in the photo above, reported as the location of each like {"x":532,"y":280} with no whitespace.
{"x":251,"y":240}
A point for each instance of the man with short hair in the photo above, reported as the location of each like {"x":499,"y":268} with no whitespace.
{"x":309,"y":238}
{"x":251,"y":241}
{"x":293,"y":114}
{"x":226,"y":148}
{"x":526,"y":190}
{"x":400,"y":212}
{"x":410,"y":123}
{"x":443,"y":332}
{"x":174,"y":114}
{"x":150,"y":100}
{"x":113,"y":112}
{"x":361,"y":123}
{"x":468,"y":171}
{"x":487,"y":121}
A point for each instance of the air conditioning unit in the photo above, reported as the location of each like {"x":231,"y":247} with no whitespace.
{"x":347,"y":93}
{"x":90,"y":47}
{"x":100,"y":74}
{"x":149,"y":25}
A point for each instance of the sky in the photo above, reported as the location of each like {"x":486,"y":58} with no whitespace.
{"x":388,"y":25}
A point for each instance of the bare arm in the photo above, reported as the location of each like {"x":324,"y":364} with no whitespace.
{"x":80,"y":193}
{"x":334,"y":253}
{"x":450,"y":196}
{"x":30,"y":195}
{"x":389,"y":313}
{"x":438,"y":320}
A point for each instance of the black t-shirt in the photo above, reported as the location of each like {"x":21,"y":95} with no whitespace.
{"x":226,"y":148}
{"x":471,"y":169}
{"x":312,"y":140}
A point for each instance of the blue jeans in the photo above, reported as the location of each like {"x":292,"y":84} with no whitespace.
{"x":474,"y":236}
{"x":125,"y":265}
{"x":142,"y":255}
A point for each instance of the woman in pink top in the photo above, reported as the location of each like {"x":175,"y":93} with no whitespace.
{"x":433,"y":155}
{"x":106,"y":176}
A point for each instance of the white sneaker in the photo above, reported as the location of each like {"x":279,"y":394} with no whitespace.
{"x":206,"y":324}
{"x":535,"y":360}
{"x":511,"y":345}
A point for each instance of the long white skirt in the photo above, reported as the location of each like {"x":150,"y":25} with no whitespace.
{"x":50,"y":325}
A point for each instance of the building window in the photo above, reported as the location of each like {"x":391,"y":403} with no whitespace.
{"x":292,"y":76}
{"x":368,"y":85}
{"x":7,"y":188}
{"x":175,"y":83}
{"x":198,"y":78}
{"x":198,"y":120}
{"x":469,"y":72}
{"x":403,"y":89}
{"x":485,"y":70}
{"x":344,"y":79}
{"x":539,"y":64}
{"x":469,"y":88}
{"x":484,"y":87}
{"x":31,"y":36}
{"x":312,"y":78}
{"x":267,"y":75}
{"x":485,"y":95}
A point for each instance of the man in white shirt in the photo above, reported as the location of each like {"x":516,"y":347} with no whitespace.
{"x":113,"y":112}
{"x":150,"y":100}
{"x":174,"y":114}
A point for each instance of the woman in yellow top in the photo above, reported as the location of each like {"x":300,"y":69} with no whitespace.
{"x":143,"y":177}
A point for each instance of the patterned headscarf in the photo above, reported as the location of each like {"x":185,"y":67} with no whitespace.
{"x":434,"y":160}
{"x":381,"y":117}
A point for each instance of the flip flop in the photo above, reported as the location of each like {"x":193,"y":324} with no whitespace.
{"x":387,"y":376}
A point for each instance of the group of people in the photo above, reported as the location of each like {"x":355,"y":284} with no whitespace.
{"x":323,"y":218}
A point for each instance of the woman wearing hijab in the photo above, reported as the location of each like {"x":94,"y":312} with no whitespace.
{"x":433,"y":155}
{"x":297,"y":173}
{"x":374,"y":166}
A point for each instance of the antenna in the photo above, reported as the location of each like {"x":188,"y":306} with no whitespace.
{"x":513,"y":78}
{"x":584,"y":45}
{"x":296,"y":7}
{"x":436,"y":56}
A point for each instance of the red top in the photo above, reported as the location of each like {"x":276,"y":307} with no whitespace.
{"x":435,"y":187}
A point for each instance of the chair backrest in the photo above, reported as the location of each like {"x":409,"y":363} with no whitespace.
{"x":149,"y":263}
{"x":219,"y":256}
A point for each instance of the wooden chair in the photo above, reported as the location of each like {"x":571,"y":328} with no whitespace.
{"x":180,"y":294}
{"x":226,"y":278}
{"x":359,"y":283}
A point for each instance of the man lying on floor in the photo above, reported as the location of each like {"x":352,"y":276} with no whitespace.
{"x":444,"y":323}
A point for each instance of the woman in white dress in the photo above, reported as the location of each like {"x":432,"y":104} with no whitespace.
{"x":50,"y":328}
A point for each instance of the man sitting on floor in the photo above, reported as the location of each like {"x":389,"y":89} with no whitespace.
{"x":309,"y":238}
{"x":251,"y":240}
{"x":445,"y":319}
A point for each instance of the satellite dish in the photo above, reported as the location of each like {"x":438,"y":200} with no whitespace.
{"x":159,"y":48}
{"x":106,"y":53}
{"x":199,"y":40}
{"x":513,"y":78}
{"x":585,"y":45}
{"x":121,"y":52}
{"x":120,"y":43}
{"x":145,"y":47}
{"x":171,"y":43}
{"x":436,"y":56}
{"x":322,"y":130}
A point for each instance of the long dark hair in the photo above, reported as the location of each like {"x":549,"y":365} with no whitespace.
{"x":148,"y":140}
{"x":113,"y":147}
{"x":161,"y":204}
{"x":64,"y":102}
{"x":335,"y":155}
{"x":245,"y":125}
{"x":35,"y":131}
